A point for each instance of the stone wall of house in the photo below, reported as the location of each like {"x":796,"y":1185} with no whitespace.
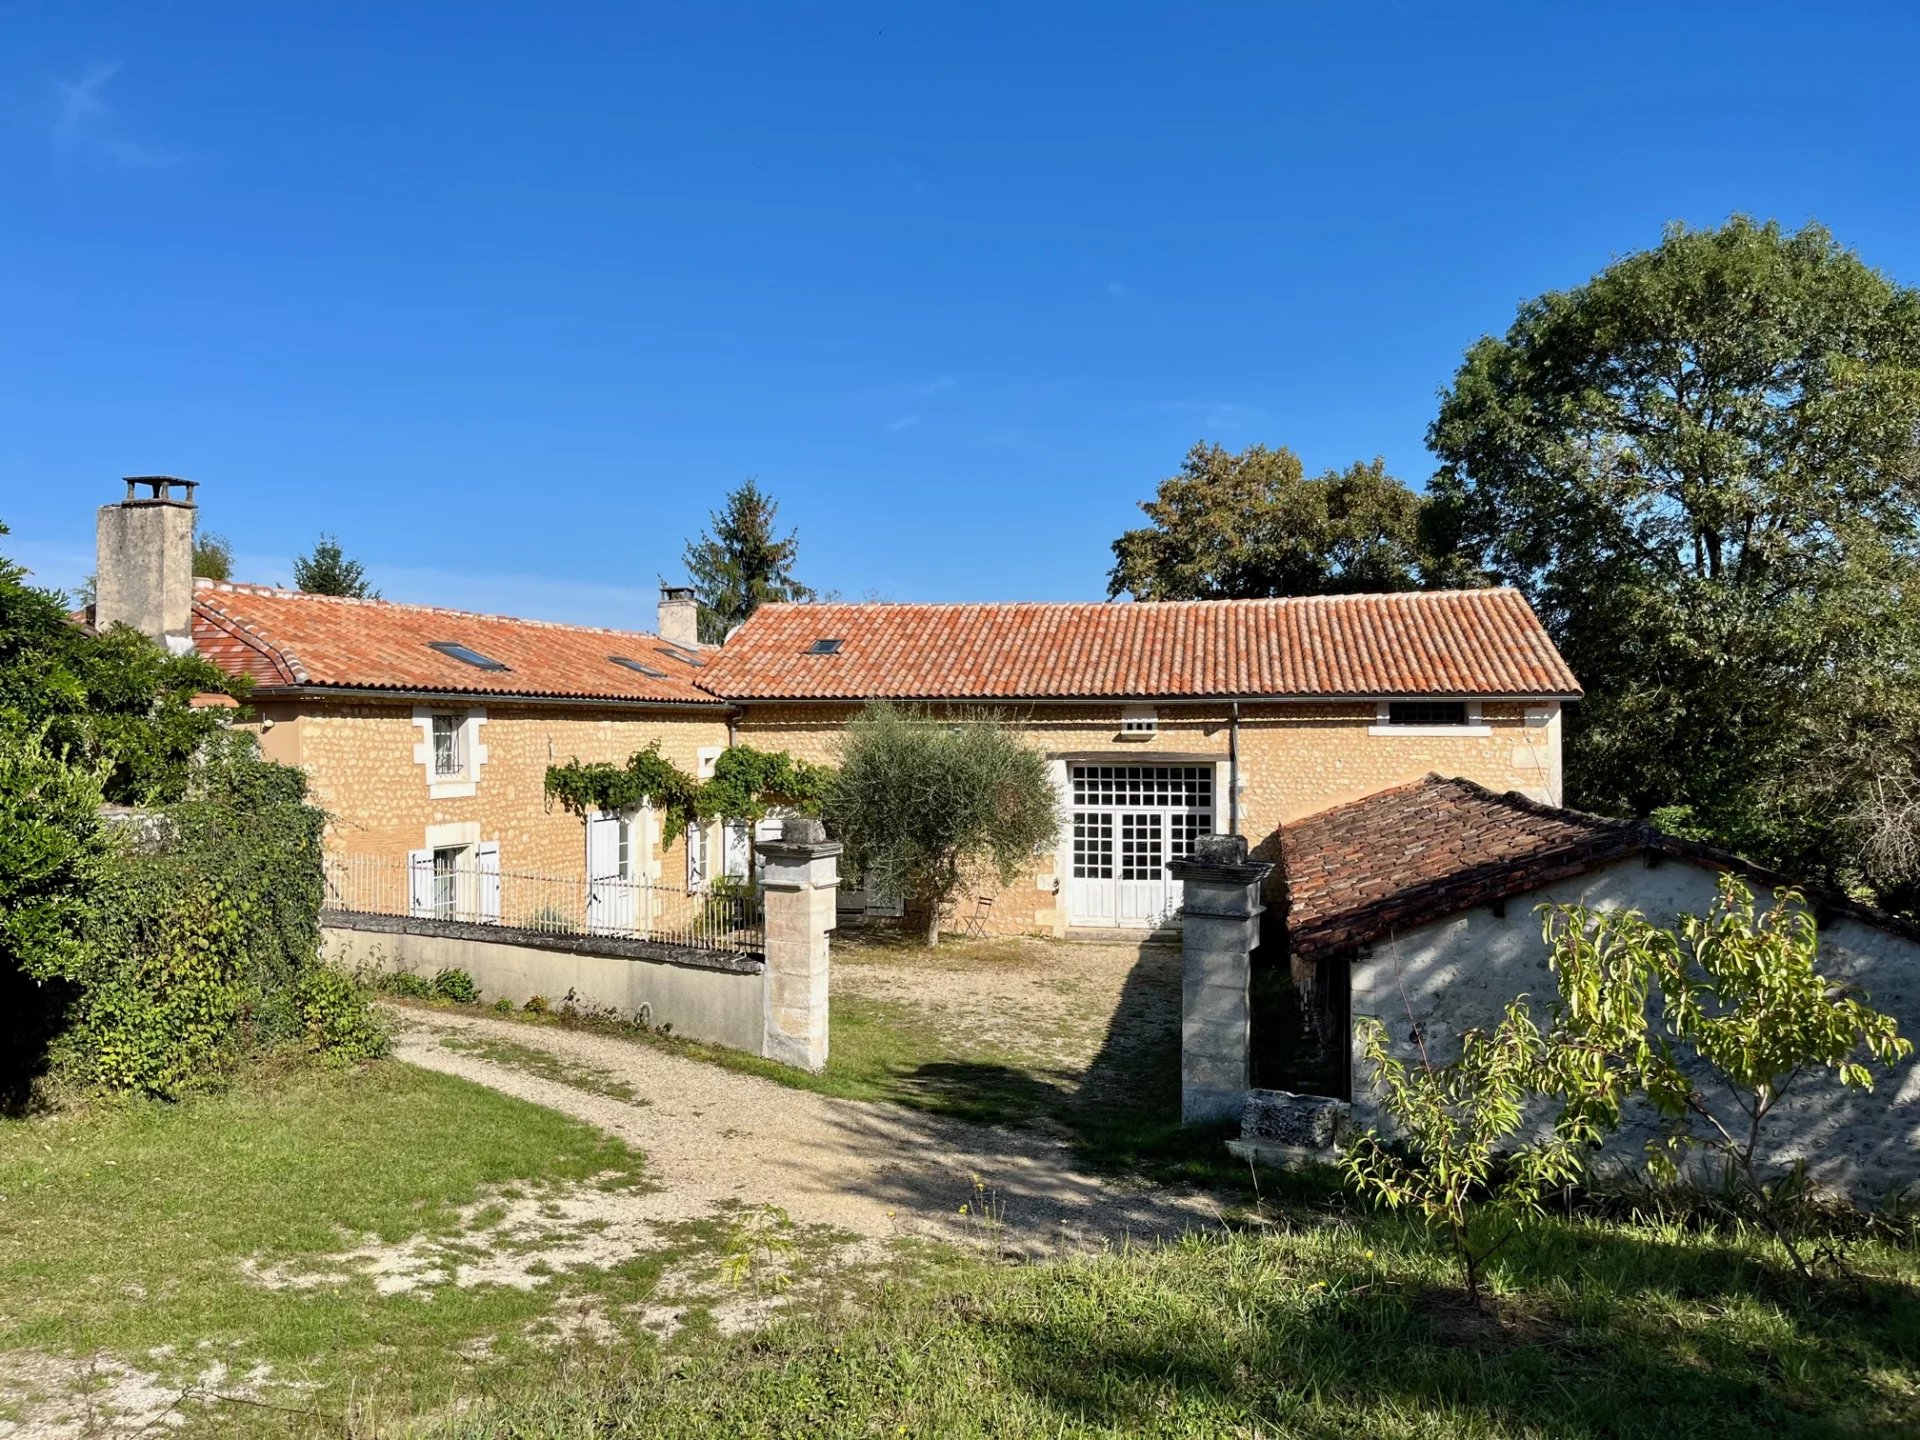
{"x":1459,"y":973}
{"x":368,"y":765}
{"x":1295,"y":759}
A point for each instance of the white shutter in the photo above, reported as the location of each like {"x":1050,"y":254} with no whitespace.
{"x":696,"y":856}
{"x":486,"y":858}
{"x":738,"y":849}
{"x":420,"y":882}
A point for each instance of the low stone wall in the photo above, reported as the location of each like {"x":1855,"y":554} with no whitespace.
{"x":703,"y":995}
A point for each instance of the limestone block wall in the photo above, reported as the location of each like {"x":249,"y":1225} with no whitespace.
{"x":1295,"y":759}
{"x":363,"y":761}
{"x":1459,"y":973}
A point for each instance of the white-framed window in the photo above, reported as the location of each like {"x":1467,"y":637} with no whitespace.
{"x":697,"y":863}
{"x":449,"y":755}
{"x":623,"y":847}
{"x":1139,"y":722}
{"x":447,"y":864}
{"x":1428,"y":717}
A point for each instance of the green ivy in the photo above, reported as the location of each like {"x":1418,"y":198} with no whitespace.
{"x":745,"y":783}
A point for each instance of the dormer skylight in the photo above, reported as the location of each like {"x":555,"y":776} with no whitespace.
{"x":465,"y":654}
{"x":637,"y":667}
{"x":825,"y":647}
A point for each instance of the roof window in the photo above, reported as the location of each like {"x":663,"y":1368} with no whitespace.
{"x":673,"y":652}
{"x":637,"y":667}
{"x":465,"y":654}
{"x":825,"y":647}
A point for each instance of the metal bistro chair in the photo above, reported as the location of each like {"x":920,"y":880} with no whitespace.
{"x":982,"y":913}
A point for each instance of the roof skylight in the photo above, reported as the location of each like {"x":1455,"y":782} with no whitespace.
{"x":635,"y":665}
{"x":465,"y":654}
{"x":675,"y":653}
{"x":825,"y":647}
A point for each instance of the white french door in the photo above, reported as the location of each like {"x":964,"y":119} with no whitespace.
{"x":1128,"y":822}
{"x":612,"y":892}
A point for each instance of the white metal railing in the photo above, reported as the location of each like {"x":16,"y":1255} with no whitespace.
{"x":722,"y":916}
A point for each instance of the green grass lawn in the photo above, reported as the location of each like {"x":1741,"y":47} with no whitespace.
{"x":1338,"y":1329}
{"x":126,"y":1232}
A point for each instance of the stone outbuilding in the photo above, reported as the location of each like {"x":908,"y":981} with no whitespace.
{"x":1418,"y":906}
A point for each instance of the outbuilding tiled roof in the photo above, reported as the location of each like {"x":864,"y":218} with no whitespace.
{"x":288,"y":639}
{"x":1467,"y":642}
{"x":1421,"y":852}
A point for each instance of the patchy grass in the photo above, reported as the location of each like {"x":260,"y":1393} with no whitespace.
{"x":312,"y":1238}
{"x":545,"y":1065}
{"x":1344,"y":1328}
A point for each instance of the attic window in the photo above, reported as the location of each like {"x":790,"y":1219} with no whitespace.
{"x":464,"y":654}
{"x":1427,"y":712}
{"x":1139,"y":722}
{"x":674,"y":653}
{"x":637,"y":667}
{"x":825,"y":647}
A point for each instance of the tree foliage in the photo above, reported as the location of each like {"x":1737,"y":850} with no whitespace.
{"x":1743,"y":1015}
{"x":212,"y":556}
{"x":745,"y":782}
{"x":741,"y":563}
{"x":1701,"y":468}
{"x":1254,"y":525}
{"x":328,"y":570}
{"x":924,"y":804}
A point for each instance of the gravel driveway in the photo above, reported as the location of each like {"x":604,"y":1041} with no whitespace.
{"x":715,"y":1138}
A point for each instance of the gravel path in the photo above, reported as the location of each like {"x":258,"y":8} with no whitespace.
{"x":714,"y":1138}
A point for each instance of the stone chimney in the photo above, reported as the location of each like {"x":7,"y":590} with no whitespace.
{"x":679,"y":622}
{"x":144,"y":571}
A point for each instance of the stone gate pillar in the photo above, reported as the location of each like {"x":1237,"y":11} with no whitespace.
{"x":798,"y":883}
{"x":1222,"y":925}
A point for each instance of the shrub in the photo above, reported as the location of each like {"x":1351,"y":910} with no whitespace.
{"x":337,"y":1009}
{"x":503,"y":1006}
{"x":403,"y":985}
{"x":456,"y":985}
{"x":536,"y":1005}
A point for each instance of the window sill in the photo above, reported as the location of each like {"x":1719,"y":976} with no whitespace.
{"x":450,"y":789}
{"x":1417,"y":731}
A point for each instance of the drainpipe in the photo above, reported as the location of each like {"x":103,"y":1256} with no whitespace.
{"x":1233,"y":771}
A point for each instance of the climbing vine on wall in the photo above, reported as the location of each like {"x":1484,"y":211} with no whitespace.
{"x":745,"y":782}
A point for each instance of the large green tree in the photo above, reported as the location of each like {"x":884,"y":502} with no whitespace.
{"x":329,"y":570}
{"x":742,"y":562}
{"x":1701,"y":468}
{"x":926,"y":805}
{"x":1255,"y":524}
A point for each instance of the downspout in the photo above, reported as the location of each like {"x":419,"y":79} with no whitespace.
{"x":1233,"y":771}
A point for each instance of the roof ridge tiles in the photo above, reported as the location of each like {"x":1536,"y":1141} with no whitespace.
{"x":204,"y":588}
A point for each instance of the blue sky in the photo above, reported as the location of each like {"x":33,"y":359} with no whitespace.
{"x":508,"y":296}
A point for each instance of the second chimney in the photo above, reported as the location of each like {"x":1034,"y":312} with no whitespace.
{"x":679,"y":622}
{"x":144,"y":561}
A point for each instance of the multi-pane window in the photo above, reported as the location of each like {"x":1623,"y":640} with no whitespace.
{"x":1142,"y":854}
{"x":1092,"y":845}
{"x":446,"y":882}
{"x":1144,"y":787}
{"x":447,"y":759}
{"x":623,"y":848}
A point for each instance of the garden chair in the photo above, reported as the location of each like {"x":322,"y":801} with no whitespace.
{"x":982,"y":913}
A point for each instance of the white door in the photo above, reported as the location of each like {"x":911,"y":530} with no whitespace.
{"x":1128,"y":822}
{"x":611,"y":890}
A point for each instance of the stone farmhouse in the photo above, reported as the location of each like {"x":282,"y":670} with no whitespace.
{"x":427,"y":732}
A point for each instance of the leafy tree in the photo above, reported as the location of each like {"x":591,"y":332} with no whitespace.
{"x":212,"y":556}
{"x":1253,"y":525}
{"x":1457,"y":1158}
{"x":922,"y":804}
{"x":740,"y":563}
{"x":116,"y":701}
{"x":1701,"y":468}
{"x":1741,"y":1002}
{"x":328,"y":571}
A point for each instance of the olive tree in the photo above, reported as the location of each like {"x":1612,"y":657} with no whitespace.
{"x":924,"y":803}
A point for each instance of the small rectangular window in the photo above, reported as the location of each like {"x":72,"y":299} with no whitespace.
{"x":1139,"y":722}
{"x":1427,"y":712}
{"x":825,"y":647}
{"x":630,"y":663}
{"x":447,"y":759}
{"x":465,"y":654}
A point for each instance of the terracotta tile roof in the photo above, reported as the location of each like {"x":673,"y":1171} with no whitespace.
{"x":1468,"y":642}
{"x":283,"y":638}
{"x":1424,"y":851}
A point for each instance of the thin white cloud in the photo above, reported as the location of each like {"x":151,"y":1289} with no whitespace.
{"x":905,"y":422}
{"x":84,"y":124}
{"x":938,"y":384}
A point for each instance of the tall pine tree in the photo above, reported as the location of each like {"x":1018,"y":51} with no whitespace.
{"x":739,"y":563}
